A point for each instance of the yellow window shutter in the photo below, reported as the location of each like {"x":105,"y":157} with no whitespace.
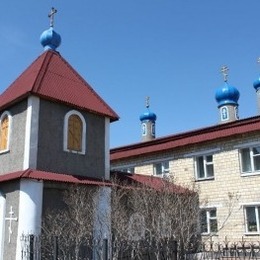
{"x":75,"y":133}
{"x":4,"y":133}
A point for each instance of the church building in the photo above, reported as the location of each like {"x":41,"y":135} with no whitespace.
{"x":54,"y":129}
{"x":222,"y":161}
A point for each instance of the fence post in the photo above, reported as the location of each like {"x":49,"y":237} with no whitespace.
{"x":55,"y":248}
{"x":31,"y":246}
{"x":105,"y":249}
{"x":174,"y":250}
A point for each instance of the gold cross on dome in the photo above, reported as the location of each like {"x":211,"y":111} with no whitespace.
{"x":51,"y":16}
{"x":224,"y":70}
{"x":147,"y":102}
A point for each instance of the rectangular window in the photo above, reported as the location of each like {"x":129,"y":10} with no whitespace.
{"x":252,"y":219}
{"x":250,"y":159}
{"x":161,"y":168}
{"x":208,"y":221}
{"x":204,"y":167}
{"x":128,"y":170}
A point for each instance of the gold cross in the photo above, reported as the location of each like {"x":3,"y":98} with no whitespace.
{"x":51,"y":16}
{"x":224,"y":70}
{"x":147,"y":102}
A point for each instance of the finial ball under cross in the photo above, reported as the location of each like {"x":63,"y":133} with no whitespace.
{"x":51,"y":16}
{"x":224,"y":70}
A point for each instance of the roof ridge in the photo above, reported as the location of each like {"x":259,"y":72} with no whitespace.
{"x":42,"y":71}
{"x":88,"y":85}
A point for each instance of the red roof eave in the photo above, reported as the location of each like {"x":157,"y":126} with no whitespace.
{"x":187,"y":138}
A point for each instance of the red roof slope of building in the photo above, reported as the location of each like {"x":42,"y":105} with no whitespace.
{"x":51,"y":77}
{"x":51,"y":176}
{"x":149,"y":181}
{"x":153,"y":182}
{"x":207,"y":134}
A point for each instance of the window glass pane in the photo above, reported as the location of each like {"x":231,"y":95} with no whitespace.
{"x":245,"y":160}
{"x":257,"y":163}
{"x":203,"y":221}
{"x":209,"y":158}
{"x":251,"y":219}
{"x":256,"y":150}
{"x":200,"y":168}
{"x":210,"y":170}
{"x":213,"y":225}
{"x":213,"y":213}
{"x":158,"y":168}
{"x":166,"y":167}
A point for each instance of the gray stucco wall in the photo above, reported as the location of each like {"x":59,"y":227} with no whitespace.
{"x":13,"y":159}
{"x":51,"y":156}
{"x":11,"y":192}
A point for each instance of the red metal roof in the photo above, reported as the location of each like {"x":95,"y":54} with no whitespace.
{"x":153,"y":182}
{"x":187,"y":138}
{"x":150,"y":181}
{"x":50,"y":176}
{"x":51,"y":77}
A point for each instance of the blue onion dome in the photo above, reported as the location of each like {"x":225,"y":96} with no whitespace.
{"x":227,"y":95}
{"x":256,"y":84}
{"x":148,"y":115}
{"x":50,"y":40}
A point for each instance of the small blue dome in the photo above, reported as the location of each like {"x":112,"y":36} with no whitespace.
{"x":256,"y":84}
{"x":148,"y":115}
{"x":50,"y":40}
{"x":227,"y":95}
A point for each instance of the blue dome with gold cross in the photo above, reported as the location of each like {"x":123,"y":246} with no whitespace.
{"x":147,"y":115}
{"x":227,"y":94}
{"x":50,"y":39}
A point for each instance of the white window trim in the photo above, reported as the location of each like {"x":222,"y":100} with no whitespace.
{"x":165,"y":171}
{"x":205,"y":168}
{"x":8,"y":114}
{"x":221,"y":114}
{"x":246,"y":205}
{"x":65,"y":132}
{"x":250,"y":147}
{"x":207,"y":209}
{"x":144,"y":129}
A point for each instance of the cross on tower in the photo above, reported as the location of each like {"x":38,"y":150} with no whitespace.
{"x":51,"y":16}
{"x":11,"y":218}
{"x":147,"y":102}
{"x":224,"y":70}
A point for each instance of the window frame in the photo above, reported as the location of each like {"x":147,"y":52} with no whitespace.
{"x":163,"y":169}
{"x":256,"y":207}
{"x":250,"y":148}
{"x":66,"y":129}
{"x":209,"y":218}
{"x":205,"y":169}
{"x":8,"y":115}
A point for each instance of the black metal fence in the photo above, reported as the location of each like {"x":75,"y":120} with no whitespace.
{"x":225,"y":251}
{"x":55,"y":248}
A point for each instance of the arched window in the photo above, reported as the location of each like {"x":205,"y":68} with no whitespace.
{"x":74,"y":132}
{"x":5,"y":128}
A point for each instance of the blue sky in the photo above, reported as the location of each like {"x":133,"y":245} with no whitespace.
{"x":169,"y":50}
